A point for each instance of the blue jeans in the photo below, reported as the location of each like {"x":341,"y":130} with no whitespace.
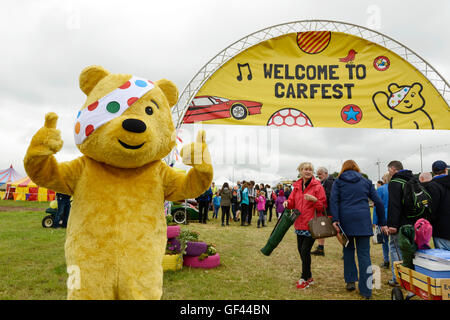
{"x":216,"y":211}
{"x":364,"y":264}
{"x":261,"y":217}
{"x":394,"y":252}
{"x":440,"y":243}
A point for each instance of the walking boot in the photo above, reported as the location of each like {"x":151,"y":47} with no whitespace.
{"x":319,"y":251}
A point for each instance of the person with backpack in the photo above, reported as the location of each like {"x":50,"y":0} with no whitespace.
{"x":396,"y":211}
{"x":439,"y":188}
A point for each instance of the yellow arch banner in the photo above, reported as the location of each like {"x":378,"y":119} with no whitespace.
{"x":319,"y":79}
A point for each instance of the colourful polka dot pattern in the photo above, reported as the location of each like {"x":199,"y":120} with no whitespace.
{"x":132,"y":100}
{"x":113,"y":107}
{"x":398,"y":97}
{"x":77,"y":127}
{"x":289,"y":117}
{"x":92,"y":106}
{"x":89,"y":129}
{"x":109,"y":107}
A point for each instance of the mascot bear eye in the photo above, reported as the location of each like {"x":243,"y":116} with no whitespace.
{"x":149,"y":111}
{"x":413,"y":94}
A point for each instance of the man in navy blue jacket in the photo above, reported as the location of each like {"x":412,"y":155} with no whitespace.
{"x":203,"y":205}
{"x":439,"y":189}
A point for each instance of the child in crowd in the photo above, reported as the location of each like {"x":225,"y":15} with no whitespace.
{"x":216,"y":204}
{"x":261,"y":200}
{"x":279,"y":203}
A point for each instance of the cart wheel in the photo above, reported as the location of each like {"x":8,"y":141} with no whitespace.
{"x":47,"y":222}
{"x":397,"y":294}
{"x":179,"y":216}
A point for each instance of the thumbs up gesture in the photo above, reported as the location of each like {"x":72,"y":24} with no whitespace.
{"x":48,"y":138}
{"x":196,"y":154}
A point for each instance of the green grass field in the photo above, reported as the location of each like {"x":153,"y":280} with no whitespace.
{"x":33,"y":265}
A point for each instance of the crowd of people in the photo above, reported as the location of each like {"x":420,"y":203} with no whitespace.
{"x":242,"y":202}
{"x":346,"y":200}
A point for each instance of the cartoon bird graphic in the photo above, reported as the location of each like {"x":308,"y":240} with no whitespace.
{"x":350,"y":57}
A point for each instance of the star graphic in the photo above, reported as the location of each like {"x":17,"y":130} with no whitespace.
{"x":351,"y":114}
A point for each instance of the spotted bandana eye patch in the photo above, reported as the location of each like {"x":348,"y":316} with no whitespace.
{"x":109,"y":107}
{"x":398,"y":96}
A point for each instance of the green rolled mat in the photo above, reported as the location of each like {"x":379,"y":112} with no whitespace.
{"x":286,"y":220}
{"x":407,"y":245}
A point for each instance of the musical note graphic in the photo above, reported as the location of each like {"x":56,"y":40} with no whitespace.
{"x":249,"y":76}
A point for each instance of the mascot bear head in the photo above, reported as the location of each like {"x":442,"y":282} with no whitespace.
{"x":126,"y":121}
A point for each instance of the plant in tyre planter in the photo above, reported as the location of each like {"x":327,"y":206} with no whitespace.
{"x":185,"y":237}
{"x":207,"y":260}
{"x":210,"y":251}
{"x":172,"y":248}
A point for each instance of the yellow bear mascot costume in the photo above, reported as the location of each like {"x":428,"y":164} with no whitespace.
{"x":116,"y":236}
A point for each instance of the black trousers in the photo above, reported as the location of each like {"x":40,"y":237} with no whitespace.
{"x":203,"y":208}
{"x":304,"y":246}
{"x":225,"y":213}
{"x":251,"y":205}
{"x":269,"y":207}
{"x":244,"y":213}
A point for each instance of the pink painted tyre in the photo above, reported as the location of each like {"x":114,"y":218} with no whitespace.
{"x":173,"y":231}
{"x":207,"y":263}
{"x":196,"y":248}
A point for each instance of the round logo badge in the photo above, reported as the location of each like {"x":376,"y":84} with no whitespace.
{"x":313,"y":42}
{"x":381,"y":63}
{"x":351,"y":114}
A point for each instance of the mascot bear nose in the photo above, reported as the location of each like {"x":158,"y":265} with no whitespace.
{"x":134,"y":125}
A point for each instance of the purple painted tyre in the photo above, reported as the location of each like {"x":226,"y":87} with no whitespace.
{"x":207,"y":263}
{"x":175,"y":242}
{"x":196,"y":248}
{"x":173,"y":231}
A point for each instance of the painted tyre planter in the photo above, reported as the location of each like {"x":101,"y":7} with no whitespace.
{"x":172,"y":262}
{"x":175,"y":242}
{"x":207,"y":263}
{"x":196,"y":248}
{"x":173,"y":231}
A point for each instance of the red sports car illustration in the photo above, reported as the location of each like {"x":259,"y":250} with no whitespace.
{"x":203,"y":108}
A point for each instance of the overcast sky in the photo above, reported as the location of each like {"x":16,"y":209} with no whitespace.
{"x":46,"y":44}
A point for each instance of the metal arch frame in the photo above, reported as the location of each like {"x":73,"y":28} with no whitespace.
{"x":189,"y":92}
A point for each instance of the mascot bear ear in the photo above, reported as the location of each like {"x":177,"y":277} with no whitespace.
{"x":90,"y":76}
{"x":170,"y":91}
{"x":418,"y":86}
{"x":393,"y":87}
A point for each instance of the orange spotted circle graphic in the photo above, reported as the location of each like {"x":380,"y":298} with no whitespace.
{"x":313,"y":42}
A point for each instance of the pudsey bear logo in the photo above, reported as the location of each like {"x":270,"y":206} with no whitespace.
{"x":403,"y":107}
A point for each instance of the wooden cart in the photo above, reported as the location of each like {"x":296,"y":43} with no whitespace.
{"x":421,"y":285}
